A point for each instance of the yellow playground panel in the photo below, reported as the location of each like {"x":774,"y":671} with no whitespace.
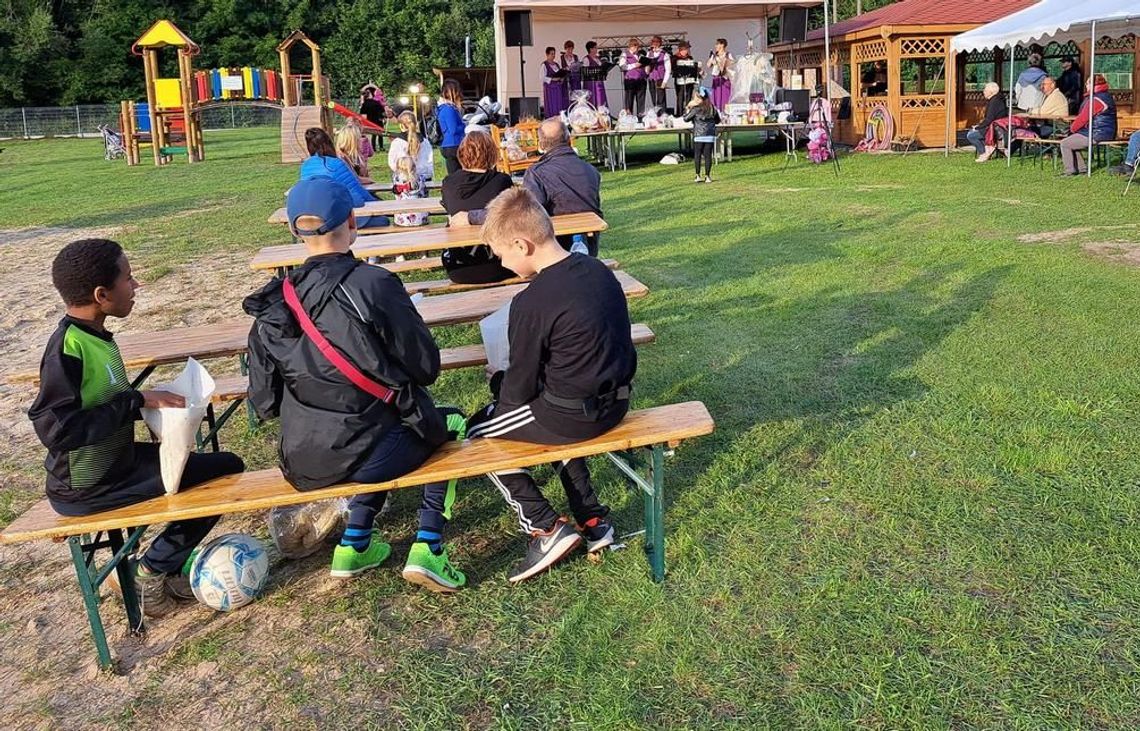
{"x":168,"y":93}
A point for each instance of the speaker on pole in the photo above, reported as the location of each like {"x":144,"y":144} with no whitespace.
{"x":517,"y":27}
{"x":793,"y":25}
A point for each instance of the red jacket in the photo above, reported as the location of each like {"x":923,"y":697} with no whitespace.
{"x":1098,"y":105}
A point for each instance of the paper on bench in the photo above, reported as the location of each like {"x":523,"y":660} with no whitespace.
{"x":176,"y":428}
{"x":496,"y":343}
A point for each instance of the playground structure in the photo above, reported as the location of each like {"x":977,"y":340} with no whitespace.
{"x":170,"y":121}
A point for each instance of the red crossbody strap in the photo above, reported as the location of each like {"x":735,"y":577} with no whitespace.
{"x":334,"y":356}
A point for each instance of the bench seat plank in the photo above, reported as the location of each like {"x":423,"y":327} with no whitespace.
{"x":231,"y":388}
{"x":380,"y":208}
{"x":414,"y":241}
{"x":454,"y":460}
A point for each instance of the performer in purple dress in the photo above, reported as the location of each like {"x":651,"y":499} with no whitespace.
{"x":720,"y":65}
{"x":597,"y":89}
{"x":633,"y":77}
{"x":659,"y":73}
{"x":555,"y":97}
{"x":572,"y":64}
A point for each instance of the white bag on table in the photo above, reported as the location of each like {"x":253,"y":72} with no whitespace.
{"x":496,"y":343}
{"x":176,"y":428}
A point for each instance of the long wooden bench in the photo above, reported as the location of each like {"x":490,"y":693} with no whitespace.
{"x":415,"y":241}
{"x":381,"y":208}
{"x":647,"y":433}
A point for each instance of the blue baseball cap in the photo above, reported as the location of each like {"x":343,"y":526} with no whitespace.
{"x":703,"y":92}
{"x":321,"y":197}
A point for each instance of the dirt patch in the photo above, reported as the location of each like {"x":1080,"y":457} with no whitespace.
{"x":1068,"y":234}
{"x":1121,"y":252}
{"x":196,"y":292}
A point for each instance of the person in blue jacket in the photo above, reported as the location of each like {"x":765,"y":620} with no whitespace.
{"x":323,"y":162}
{"x":450,"y":114}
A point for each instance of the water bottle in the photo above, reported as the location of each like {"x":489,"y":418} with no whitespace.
{"x":579,"y":245}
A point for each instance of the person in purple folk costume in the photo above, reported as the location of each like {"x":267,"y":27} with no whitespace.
{"x":555,"y":96}
{"x":719,"y":66}
{"x":660,"y":72}
{"x":596,"y":89}
{"x":633,"y":78}
{"x":572,"y":64}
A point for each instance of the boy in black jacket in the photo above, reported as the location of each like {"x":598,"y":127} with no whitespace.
{"x":85,"y":414}
{"x":370,"y":418}
{"x":571,"y":370}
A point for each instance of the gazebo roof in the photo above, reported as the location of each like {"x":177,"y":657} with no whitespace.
{"x":926,"y":12}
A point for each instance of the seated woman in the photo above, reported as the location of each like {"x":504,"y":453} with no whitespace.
{"x":324,"y":163}
{"x":996,"y":109}
{"x":339,"y":353}
{"x":348,"y":150}
{"x":1098,"y":114}
{"x":466,"y":194}
{"x":413,"y":144}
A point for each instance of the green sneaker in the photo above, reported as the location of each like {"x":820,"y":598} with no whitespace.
{"x":434,"y":573}
{"x":348,"y":562}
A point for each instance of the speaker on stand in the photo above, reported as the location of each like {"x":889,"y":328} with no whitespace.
{"x":518,"y":33}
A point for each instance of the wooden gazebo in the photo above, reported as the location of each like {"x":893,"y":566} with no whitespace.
{"x":899,"y":56}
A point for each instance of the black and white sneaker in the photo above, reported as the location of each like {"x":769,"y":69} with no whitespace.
{"x":598,"y":534}
{"x":545,"y":550}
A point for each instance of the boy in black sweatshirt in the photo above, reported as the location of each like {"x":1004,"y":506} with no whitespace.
{"x":571,"y":369}
{"x":85,"y":414}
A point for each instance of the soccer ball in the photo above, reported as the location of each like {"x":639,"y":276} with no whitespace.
{"x":229,"y":572}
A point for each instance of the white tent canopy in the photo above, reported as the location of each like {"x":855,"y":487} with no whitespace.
{"x":555,"y":21}
{"x":1053,"y":20}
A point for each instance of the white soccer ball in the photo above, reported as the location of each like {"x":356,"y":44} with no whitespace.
{"x":229,"y":572}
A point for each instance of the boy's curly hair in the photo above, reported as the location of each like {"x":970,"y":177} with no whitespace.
{"x":82,"y":266}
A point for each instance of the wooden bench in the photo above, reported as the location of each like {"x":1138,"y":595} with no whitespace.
{"x":415,"y":241}
{"x":381,"y":208}
{"x":646,"y":434}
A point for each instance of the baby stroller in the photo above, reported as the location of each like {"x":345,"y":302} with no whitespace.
{"x":112,"y":143}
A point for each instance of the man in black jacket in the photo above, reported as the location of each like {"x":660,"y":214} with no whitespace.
{"x":357,"y":408}
{"x":563,"y":182}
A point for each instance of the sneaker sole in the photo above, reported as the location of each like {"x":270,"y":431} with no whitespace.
{"x":606,"y":540}
{"x":561,"y":550}
{"x":347,"y":574}
{"x":428,"y":580}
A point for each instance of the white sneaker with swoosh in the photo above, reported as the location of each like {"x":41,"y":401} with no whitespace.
{"x":546,"y":549}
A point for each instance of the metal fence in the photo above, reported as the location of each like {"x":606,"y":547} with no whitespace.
{"x":83,"y":120}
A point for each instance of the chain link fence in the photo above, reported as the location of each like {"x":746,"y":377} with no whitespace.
{"x":83,"y":120}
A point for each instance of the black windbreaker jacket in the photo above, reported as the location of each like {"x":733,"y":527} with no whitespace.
{"x":328,"y":425}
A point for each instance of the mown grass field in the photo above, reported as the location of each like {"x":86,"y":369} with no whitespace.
{"x":919,"y":509}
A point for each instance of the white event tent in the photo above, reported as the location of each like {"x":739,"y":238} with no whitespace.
{"x":555,"y":21}
{"x":1054,"y":20}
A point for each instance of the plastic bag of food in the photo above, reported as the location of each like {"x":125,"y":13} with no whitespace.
{"x":493,"y":328}
{"x":301,"y":530}
{"x":176,"y":428}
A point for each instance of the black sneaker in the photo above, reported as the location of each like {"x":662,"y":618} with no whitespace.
{"x":545,"y":550}
{"x":1121,"y":170}
{"x":598,"y":534}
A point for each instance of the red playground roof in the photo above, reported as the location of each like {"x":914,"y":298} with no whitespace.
{"x":927,"y":12}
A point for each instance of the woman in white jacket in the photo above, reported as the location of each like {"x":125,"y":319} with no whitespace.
{"x":412,"y":144}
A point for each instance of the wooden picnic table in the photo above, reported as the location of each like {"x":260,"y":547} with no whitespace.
{"x":380,"y":208}
{"x":230,"y":337}
{"x":416,"y":241}
{"x":385,"y":186}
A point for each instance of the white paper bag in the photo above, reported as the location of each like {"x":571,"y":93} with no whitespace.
{"x":176,"y":428}
{"x":495,"y":341}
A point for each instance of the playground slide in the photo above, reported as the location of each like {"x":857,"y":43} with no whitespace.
{"x":346,"y":112}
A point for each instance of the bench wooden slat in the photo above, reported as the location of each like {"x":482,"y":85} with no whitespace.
{"x":228,"y":338}
{"x":388,"y":230}
{"x":446,"y":286}
{"x":454,"y":460}
{"x":380,"y":208}
{"x":230,"y":388}
{"x":415,"y":241}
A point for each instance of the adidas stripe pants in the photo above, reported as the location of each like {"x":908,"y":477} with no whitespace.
{"x":517,"y":486}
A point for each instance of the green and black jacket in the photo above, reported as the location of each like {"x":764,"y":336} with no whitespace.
{"x":84,"y":413}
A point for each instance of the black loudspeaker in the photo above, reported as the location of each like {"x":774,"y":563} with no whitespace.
{"x":800,"y":99}
{"x":524,"y":107}
{"x":517,"y":24}
{"x":793,"y":25}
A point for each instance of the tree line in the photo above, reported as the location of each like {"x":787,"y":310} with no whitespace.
{"x":62,"y":52}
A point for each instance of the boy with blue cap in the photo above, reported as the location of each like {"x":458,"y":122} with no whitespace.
{"x":340,"y":354}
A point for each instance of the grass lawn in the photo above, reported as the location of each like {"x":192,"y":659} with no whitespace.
{"x":919,"y":509}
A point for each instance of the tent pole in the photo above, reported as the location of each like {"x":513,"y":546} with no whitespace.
{"x":1092,"y":101}
{"x":1009,"y":122}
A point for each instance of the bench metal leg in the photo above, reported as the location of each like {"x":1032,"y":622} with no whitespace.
{"x":653,"y":486}
{"x":90,"y":577}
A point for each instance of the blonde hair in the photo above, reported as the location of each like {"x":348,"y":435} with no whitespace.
{"x":407,"y":121}
{"x":516,"y":213}
{"x":348,"y":146}
{"x":406,"y":166}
